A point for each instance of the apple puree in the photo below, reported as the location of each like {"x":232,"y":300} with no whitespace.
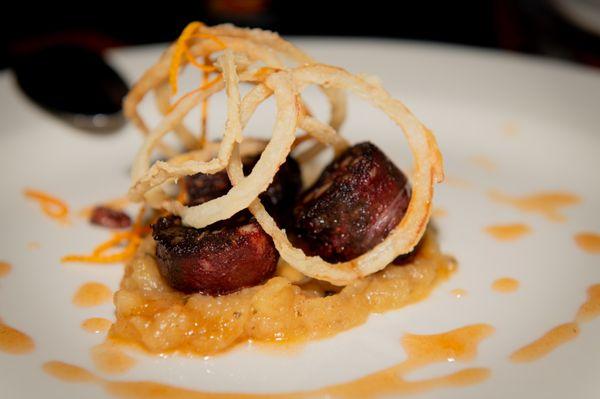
{"x":152,"y":315}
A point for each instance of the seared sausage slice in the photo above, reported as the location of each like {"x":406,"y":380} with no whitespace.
{"x":358,"y":199}
{"x":278,"y":199}
{"x":219,"y":259}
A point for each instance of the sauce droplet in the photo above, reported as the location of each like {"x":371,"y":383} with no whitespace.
{"x":505,"y":285}
{"x":508,"y":232}
{"x":458,"y":293}
{"x":33,"y":245}
{"x":547,"y":343}
{"x":547,"y":204}
{"x":510,"y":129}
{"x":96,"y":325}
{"x":5,"y":268}
{"x":484,"y":163}
{"x":457,"y":182}
{"x":67,"y":372}
{"x":589,"y":242}
{"x":111,"y":359}
{"x":439,"y":212}
{"x":591,"y":307}
{"x":92,"y":294}
{"x":13,"y":341}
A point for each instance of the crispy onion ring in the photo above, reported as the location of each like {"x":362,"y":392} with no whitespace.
{"x":286,"y":85}
{"x":250,"y":187}
{"x":428,"y":170}
{"x":258,"y":45}
{"x":161,"y":171}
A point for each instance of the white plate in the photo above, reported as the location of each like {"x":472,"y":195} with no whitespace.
{"x":469,"y":98}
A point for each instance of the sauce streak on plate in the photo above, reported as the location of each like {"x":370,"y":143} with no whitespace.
{"x":547,"y":204}
{"x":67,"y":372}
{"x":508,"y":232}
{"x":563,"y":333}
{"x":589,"y":242}
{"x":546,"y":343}
{"x":13,"y":341}
{"x":484,"y":163}
{"x":422,"y":350}
{"x":591,"y":307}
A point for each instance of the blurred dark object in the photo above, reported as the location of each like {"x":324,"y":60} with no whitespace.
{"x":73,"y":83}
{"x":568,"y":29}
{"x":547,"y":27}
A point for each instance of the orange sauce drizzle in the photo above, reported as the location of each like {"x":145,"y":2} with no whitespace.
{"x":510,"y":129}
{"x":563,"y":333}
{"x":33,"y":245}
{"x":13,"y":341}
{"x":422,"y":350}
{"x":589,"y":242}
{"x":110,"y":359}
{"x":132,"y":238}
{"x":457,"y":182}
{"x":439,"y":212}
{"x":92,"y":294}
{"x":96,"y":325}
{"x":484,"y":163}
{"x":547,"y":204}
{"x":547,"y":343}
{"x":458,"y":293}
{"x":67,"y":372}
{"x":508,"y":232}
{"x":5,"y":268}
{"x":505,"y":285}
{"x":52,"y":206}
{"x":591,"y":307}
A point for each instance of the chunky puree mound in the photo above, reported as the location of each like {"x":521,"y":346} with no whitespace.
{"x":286,"y":308}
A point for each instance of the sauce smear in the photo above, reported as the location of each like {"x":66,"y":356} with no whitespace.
{"x":457,"y":182}
{"x":422,"y":350}
{"x":439,"y":212}
{"x":13,"y":341}
{"x":5,"y":268}
{"x":563,"y":333}
{"x":591,"y":307}
{"x":589,"y":242}
{"x":110,"y":359}
{"x":508,"y":232}
{"x":92,"y":294}
{"x":33,"y":245}
{"x":67,"y":372}
{"x":96,"y":325}
{"x":505,"y":285}
{"x":458,"y":293}
{"x":546,"y":343}
{"x":547,"y":204}
{"x":484,"y":163}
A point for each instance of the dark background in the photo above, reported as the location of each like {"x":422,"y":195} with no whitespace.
{"x":528,"y":26}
